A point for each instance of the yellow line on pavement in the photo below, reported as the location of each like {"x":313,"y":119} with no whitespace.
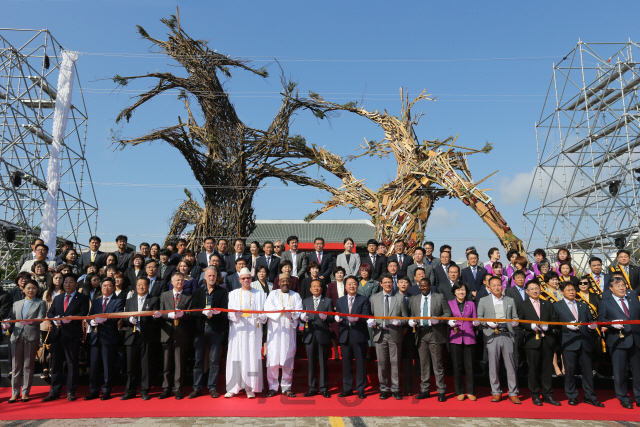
{"x":336,"y":422}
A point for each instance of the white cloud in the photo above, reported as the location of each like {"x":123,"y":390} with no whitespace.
{"x":515,"y":190}
{"x":442,"y":218}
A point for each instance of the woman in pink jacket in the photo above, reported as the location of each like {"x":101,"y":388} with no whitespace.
{"x":462,"y":340}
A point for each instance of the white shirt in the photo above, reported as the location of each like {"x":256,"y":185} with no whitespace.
{"x":497,"y":301}
{"x":141,"y":301}
{"x":570,"y":305}
{"x":340,"y":289}
{"x":422,"y":313}
{"x":294,"y":266}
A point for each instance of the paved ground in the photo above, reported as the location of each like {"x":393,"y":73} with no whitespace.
{"x":317,"y":421}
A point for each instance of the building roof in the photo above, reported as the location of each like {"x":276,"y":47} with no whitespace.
{"x":333,"y":231}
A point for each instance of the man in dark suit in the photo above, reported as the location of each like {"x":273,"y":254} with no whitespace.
{"x":232,"y":281}
{"x":442,"y":272}
{"x":474,"y":274}
{"x":353,"y":338}
{"x":623,"y":339}
{"x":209,"y":328}
{"x":66,"y":337}
{"x":324,"y":260}
{"x":539,"y":343}
{"x":577,"y":345}
{"x":444,"y":287}
{"x":519,"y":295}
{"x":317,"y":339}
{"x":141,"y":335}
{"x":484,"y":291}
{"x":419,"y":262}
{"x":377,"y":262}
{"x":165,"y":269}
{"x":6,"y":303}
{"x":180,"y":249}
{"x":270,"y":261}
{"x":156,"y":285}
{"x":202,"y":259}
{"x":174,"y":335}
{"x":31,"y":255}
{"x":230,"y":260}
{"x":600,"y":277}
{"x":103,"y":339}
{"x":123,"y":254}
{"x":631,"y":272}
{"x":404,"y":261}
{"x":94,"y":254}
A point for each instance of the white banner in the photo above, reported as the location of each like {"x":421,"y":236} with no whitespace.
{"x":60,"y":118}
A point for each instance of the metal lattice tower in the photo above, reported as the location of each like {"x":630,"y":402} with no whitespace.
{"x":584,"y":195}
{"x":29,"y":61}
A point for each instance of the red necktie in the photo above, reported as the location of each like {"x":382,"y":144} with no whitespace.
{"x":176,"y":300}
{"x":624,"y":307}
{"x":350,"y":304}
{"x":400,"y":261}
{"x":104,"y":304}
{"x":319,"y":258}
{"x":66,"y":301}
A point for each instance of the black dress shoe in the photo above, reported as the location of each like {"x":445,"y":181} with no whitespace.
{"x":178,"y":395}
{"x":384,"y":395}
{"x":627,"y":405}
{"x":271,"y":393}
{"x":325,"y":394}
{"x":573,"y":402}
{"x":536,"y":400}
{"x":594,"y":403}
{"x":128,"y":396}
{"x":90,"y":396}
{"x":165,"y":394}
{"x":71,"y":397}
{"x":442,"y":397}
{"x":551,"y":401}
{"x":396,"y":395}
{"x":194,"y":394}
{"x":361,"y":395}
{"x":423,"y":395}
{"x":105,"y":396}
{"x":310,"y":393}
{"x":144,"y":395}
{"x":50,"y":397}
{"x":346,"y":394}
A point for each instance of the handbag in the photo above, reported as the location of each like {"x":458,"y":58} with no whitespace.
{"x":44,"y":348}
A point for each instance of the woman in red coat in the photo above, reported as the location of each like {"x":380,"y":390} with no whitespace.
{"x":336,"y":290}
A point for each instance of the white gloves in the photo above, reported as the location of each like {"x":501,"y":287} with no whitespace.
{"x":25,"y":322}
{"x":515,"y":323}
{"x":133,"y":320}
{"x":322,"y":316}
{"x":56,"y":322}
{"x":452,"y":323}
{"x":352,"y":319}
{"x":208,"y":313}
{"x":238,"y":314}
{"x":395,"y":322}
{"x":179,"y":314}
{"x":476,"y":323}
{"x":100,"y":320}
{"x":304,"y":317}
{"x":171,"y":315}
{"x":434,"y":321}
{"x":65,"y":321}
{"x":412,"y":323}
{"x":5,"y":325}
{"x":593,"y":325}
{"x":337,"y":318}
{"x":157,"y":315}
{"x":618,"y":325}
{"x":371,"y":322}
{"x":572,"y":327}
{"x":492,"y":325}
{"x":545,"y":327}
{"x":93,"y":323}
{"x":262,"y":318}
{"x":535,"y":327}
{"x":215,"y":312}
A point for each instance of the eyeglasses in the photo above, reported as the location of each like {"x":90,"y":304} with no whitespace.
{"x":277,"y":246}
{"x":584,"y":283}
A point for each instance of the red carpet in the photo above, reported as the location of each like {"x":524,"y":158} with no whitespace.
{"x":281,"y":406}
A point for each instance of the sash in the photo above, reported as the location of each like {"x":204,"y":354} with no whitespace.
{"x":618,"y":269}
{"x":546,"y":294}
{"x":594,"y":288}
{"x":594,"y":314}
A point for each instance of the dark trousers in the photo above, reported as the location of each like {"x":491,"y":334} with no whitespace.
{"x":102,"y":356}
{"x":174,"y":361}
{"x":571,"y":360}
{"x":138,"y":366}
{"x":213,"y":341}
{"x":520,"y":353}
{"x":540,"y":362}
{"x":61,"y":351}
{"x":462,"y":358}
{"x":318,"y":354}
{"x":351,"y":351}
{"x":622,"y":358}
{"x":408,"y":357}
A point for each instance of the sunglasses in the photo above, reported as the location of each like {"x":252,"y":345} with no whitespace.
{"x":584,"y":283}
{"x":277,"y":246}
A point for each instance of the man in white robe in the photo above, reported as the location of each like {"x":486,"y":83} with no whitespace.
{"x":244,"y":361}
{"x":281,"y":336}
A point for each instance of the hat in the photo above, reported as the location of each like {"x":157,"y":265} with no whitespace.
{"x":244,"y":272}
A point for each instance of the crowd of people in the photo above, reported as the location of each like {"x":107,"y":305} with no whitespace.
{"x":222,"y":299}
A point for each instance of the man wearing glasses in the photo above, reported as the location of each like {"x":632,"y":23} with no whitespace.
{"x":278,"y":248}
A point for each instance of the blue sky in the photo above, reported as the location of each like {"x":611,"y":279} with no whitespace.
{"x":345,"y":50}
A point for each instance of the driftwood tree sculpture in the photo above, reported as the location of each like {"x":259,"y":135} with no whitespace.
{"x":230,"y":159}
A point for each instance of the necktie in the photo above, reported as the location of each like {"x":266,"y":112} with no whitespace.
{"x":399,"y":261}
{"x":268,"y":262}
{"x":153,"y":280}
{"x":446,"y":268}
{"x":373,"y":261}
{"x":425,"y":311}
{"x":104,"y":304}
{"x":573,"y":309}
{"x":140,"y":307}
{"x":176,"y":300}
{"x":598,"y":279}
{"x":66,"y":301}
{"x":624,"y":307}
{"x":536,"y":305}
{"x":164,"y":267}
{"x":395,"y":281}
{"x":474,"y":273}
{"x":93,"y":257}
{"x":386,"y":310}
{"x":350,"y":304}
{"x":319,"y":258}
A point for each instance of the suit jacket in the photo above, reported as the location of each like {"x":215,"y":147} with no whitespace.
{"x":217,"y":322}
{"x":326,"y":266}
{"x":397,"y":307}
{"x":439,"y":308}
{"x":232,"y":281}
{"x":147,"y":330}
{"x":634,"y":277}
{"x":78,"y":306}
{"x":315,"y":326}
{"x":442,"y":280}
{"x":130,"y":272}
{"x":273,"y":268}
{"x":332,"y":294}
{"x":168,"y":271}
{"x":159,"y":286}
{"x":87,"y":291}
{"x":574,"y":340}
{"x":305,"y":288}
{"x":513,"y":292}
{"x":353,"y":332}
{"x":547,"y":314}
{"x":124,"y":260}
{"x":610,"y":311}
{"x":428,"y":271}
{"x":168,"y":329}
{"x":380,"y":267}
{"x":38,"y":310}
{"x":352,"y":268}
{"x":202,"y":260}
{"x":486,"y":311}
{"x":402,"y":270}
{"x":230,"y":261}
{"x":85,"y":259}
{"x":481,"y":294}
{"x":301,"y":262}
{"x":474,"y":284}
{"x":106,"y":332}
{"x":465,"y":335}
{"x":6,"y":302}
